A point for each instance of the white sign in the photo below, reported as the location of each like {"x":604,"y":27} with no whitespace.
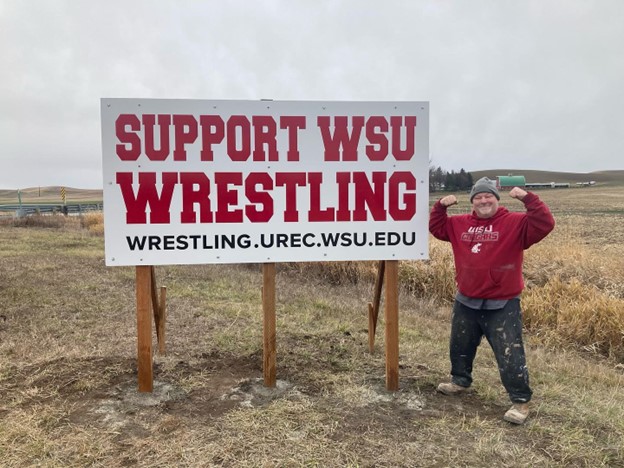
{"x":196,"y":181}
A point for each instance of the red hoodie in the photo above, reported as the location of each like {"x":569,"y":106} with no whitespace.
{"x":488,"y":252}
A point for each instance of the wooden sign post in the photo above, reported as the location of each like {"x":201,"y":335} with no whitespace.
{"x":146,"y":299}
{"x":392,"y":325}
{"x":373,"y":307}
{"x":392,"y":319}
{"x":268,"y":330}
{"x":144,"y":328}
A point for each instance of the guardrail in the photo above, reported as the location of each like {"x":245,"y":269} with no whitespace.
{"x":52,"y":208}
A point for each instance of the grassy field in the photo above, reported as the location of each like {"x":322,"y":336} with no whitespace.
{"x":68,"y":358}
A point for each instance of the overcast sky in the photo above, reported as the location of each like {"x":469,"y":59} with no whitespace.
{"x":534,"y":84}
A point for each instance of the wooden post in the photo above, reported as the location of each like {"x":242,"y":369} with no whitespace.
{"x":144,"y":328}
{"x":155,"y":304}
{"x":373,"y":307}
{"x":392,"y":325}
{"x":162,"y":312}
{"x":268,"y":330}
{"x":159,"y":307}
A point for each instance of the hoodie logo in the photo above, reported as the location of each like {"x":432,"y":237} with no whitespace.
{"x":480,"y":234}
{"x":476,"y":248}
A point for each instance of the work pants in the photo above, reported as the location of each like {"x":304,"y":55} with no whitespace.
{"x":503,"y":330}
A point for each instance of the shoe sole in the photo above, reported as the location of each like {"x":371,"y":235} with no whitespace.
{"x":451,"y":392}
{"x":515,"y":417}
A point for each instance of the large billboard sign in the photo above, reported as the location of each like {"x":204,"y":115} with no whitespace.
{"x":200,"y":181}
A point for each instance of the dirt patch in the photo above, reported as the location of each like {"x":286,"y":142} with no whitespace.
{"x":104,"y":393}
{"x":124,"y":410}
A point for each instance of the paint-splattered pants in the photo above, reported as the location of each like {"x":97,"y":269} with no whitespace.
{"x":503,"y":330}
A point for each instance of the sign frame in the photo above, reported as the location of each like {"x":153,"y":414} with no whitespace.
{"x":332,"y":196}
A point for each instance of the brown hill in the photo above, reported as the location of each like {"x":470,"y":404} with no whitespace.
{"x":51,"y":194}
{"x":601,"y":177}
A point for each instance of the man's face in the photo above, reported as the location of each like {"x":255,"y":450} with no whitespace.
{"x":485,"y":205}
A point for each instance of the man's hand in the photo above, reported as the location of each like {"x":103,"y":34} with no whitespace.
{"x":448,"y":200}
{"x":517,"y":193}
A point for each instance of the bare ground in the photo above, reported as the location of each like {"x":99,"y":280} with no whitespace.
{"x":233,"y":384}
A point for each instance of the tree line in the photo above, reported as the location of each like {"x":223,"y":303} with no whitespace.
{"x":441,"y":180}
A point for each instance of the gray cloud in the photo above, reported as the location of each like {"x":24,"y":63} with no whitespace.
{"x":534,"y":85}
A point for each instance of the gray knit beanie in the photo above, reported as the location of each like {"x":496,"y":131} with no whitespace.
{"x":484,"y":185}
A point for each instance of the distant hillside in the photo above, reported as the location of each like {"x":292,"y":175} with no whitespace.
{"x":602,"y":177}
{"x":50,"y":195}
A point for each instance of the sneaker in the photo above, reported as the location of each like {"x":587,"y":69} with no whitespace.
{"x":517,"y":414}
{"x":450,"y":388}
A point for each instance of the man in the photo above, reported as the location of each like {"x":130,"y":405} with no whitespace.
{"x":488,"y":247}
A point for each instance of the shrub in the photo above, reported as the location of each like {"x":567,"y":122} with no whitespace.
{"x":94,"y":223}
{"x":433,"y":279}
{"x":51,"y":221}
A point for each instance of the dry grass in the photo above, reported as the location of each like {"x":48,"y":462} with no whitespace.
{"x":55,"y":221}
{"x":68,"y":371}
{"x":94,"y":223}
{"x":573,"y":312}
{"x":433,"y":279}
